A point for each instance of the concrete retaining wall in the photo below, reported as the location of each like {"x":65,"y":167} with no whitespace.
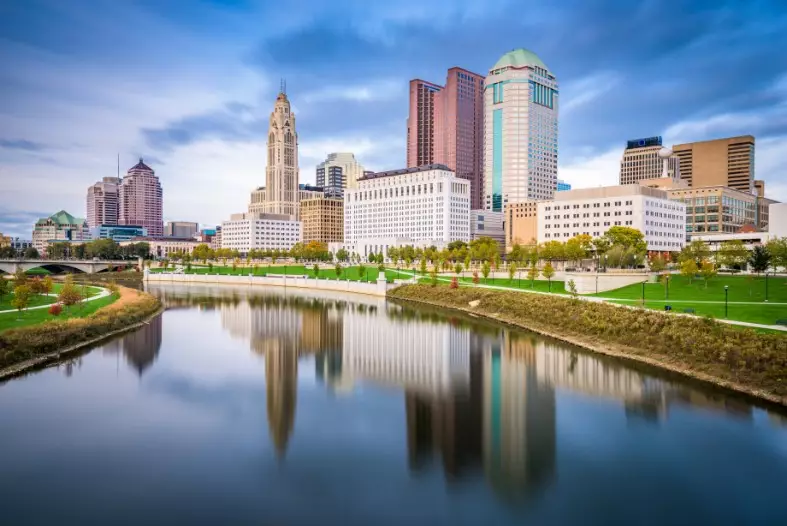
{"x":374,"y":288}
{"x":586,"y":281}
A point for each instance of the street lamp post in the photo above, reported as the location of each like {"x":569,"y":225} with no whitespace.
{"x":643,"y":293}
{"x":766,"y":285}
{"x":667,"y":278}
{"x":726,"y":294}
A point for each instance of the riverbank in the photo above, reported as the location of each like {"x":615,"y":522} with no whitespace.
{"x":742,"y":360}
{"x":35,"y":345}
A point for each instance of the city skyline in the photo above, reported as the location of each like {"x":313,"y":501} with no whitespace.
{"x":196,"y":109}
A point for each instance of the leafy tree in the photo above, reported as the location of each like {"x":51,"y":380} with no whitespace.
{"x":210,"y":266}
{"x":423,"y":266}
{"x":203,"y":252}
{"x":475,"y":277}
{"x":361,"y":270}
{"x":485,"y":268}
{"x":552,"y":251}
{"x":600,"y":245}
{"x":483,"y":248}
{"x":20,"y":278}
{"x":69,"y":294}
{"x":576,"y":249}
{"x":458,"y":268}
{"x":689,"y":269}
{"x":732,"y":254}
{"x":627,"y":237}
{"x":572,"y":289}
{"x":511,"y":271}
{"x":31,"y":253}
{"x":338,"y":269}
{"x":36,"y":285}
{"x":777,"y":248}
{"x":4,"y":286}
{"x":548,"y":271}
{"x":21,"y":297}
{"x":532,"y":274}
{"x":696,"y":250}
{"x":316,"y":270}
{"x":433,"y":277}
{"x":707,"y":271}
{"x":467,"y":261}
{"x":372,"y":257}
{"x":657,"y":263}
{"x":760,"y":259}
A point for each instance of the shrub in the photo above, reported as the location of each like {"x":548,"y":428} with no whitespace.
{"x":55,"y":309}
{"x":69,"y":294}
{"x":475,"y":277}
{"x":454,"y":283}
{"x":36,"y":286}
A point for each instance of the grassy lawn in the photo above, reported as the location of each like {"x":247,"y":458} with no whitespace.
{"x":12,"y":320}
{"x":685,"y":295}
{"x":348,"y":273}
{"x":37,"y":300}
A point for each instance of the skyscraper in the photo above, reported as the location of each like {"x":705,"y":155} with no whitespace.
{"x":103,"y":202}
{"x":446,"y":126}
{"x":641,"y":161}
{"x":720,"y":162}
{"x":281,"y":174}
{"x":338,"y":171}
{"x":520,"y":130}
{"x":141,"y":199}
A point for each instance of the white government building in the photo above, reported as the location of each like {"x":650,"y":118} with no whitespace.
{"x":421,"y":206}
{"x":247,"y":231}
{"x":593,"y":211}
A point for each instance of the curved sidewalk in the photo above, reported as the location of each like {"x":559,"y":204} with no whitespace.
{"x":104,"y":292}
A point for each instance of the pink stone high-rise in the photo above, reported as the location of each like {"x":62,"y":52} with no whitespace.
{"x":141,"y":199}
{"x":446,"y":126}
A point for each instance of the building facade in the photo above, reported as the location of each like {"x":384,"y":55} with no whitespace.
{"x":641,"y":161}
{"x":103,"y":202}
{"x":141,"y":199}
{"x":281,"y":174}
{"x":427,"y":206}
{"x":323,"y":220}
{"x":562,"y":186}
{"x":485,"y":223}
{"x":118,"y":233}
{"x":339,"y":171}
{"x":61,"y":226}
{"x":181,"y":229}
{"x":720,"y":162}
{"x":520,"y":131}
{"x":716,"y":209}
{"x":164,"y":247}
{"x":521,"y":224}
{"x":778,"y":219}
{"x":244,"y":232}
{"x":446,"y":126}
{"x":593,"y":211}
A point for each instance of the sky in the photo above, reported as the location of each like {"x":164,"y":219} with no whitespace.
{"x":188,"y":85}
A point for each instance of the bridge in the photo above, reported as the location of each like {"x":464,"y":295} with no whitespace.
{"x":89,"y":266}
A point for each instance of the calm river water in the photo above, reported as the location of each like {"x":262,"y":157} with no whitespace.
{"x":266,"y":407}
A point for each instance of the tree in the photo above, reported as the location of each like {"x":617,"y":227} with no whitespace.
{"x":760,"y":259}
{"x":361,"y":270}
{"x":316,"y":270}
{"x":3,"y":287}
{"x":338,"y":269}
{"x":689,"y":269}
{"x":433,"y":277}
{"x":485,"y":268}
{"x":203,"y":252}
{"x":36,"y":285}
{"x":458,"y":268}
{"x":552,"y":251}
{"x":21,"y":297}
{"x":423,"y":266}
{"x":371,"y":257}
{"x":467,"y":261}
{"x":548,"y":272}
{"x":707,"y":271}
{"x":475,"y":277}
{"x":732,"y":254}
{"x":20,"y":278}
{"x":342,"y":255}
{"x":532,"y":274}
{"x":696,"y":250}
{"x":657,"y":263}
{"x":600,"y":245}
{"x":69,"y":294}
{"x":511,"y":271}
{"x":572,"y":289}
{"x":777,"y":248}
{"x":577,"y":248}
{"x":483,"y":248}
{"x":627,"y":237}
{"x":31,"y":253}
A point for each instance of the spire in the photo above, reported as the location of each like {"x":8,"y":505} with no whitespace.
{"x":283,"y":86}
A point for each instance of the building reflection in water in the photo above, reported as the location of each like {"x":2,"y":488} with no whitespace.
{"x":478,"y":398}
{"x":140,"y":347}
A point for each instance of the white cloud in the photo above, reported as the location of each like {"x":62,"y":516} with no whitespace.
{"x":376,"y":91}
{"x":587,"y":89}
{"x":600,"y":169}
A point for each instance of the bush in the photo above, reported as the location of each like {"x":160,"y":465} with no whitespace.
{"x":55,"y":309}
{"x":454,"y":283}
{"x":755,"y":360}
{"x":475,"y":277}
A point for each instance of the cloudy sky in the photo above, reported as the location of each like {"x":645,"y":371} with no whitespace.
{"x":189,"y":84}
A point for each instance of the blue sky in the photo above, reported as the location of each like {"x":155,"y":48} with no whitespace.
{"x":189,"y":85}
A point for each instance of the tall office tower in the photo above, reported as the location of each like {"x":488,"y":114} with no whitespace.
{"x":102,"y":202}
{"x":339,"y":171}
{"x":181,"y":229}
{"x":641,"y":161}
{"x":720,"y":162}
{"x":281,"y":174}
{"x":446,"y":126}
{"x":141,"y":199}
{"x":520,"y":131}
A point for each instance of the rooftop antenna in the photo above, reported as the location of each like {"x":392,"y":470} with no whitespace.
{"x":283,"y":87}
{"x":118,"y":165}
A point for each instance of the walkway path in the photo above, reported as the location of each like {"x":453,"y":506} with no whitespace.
{"x":104,"y":292}
{"x":611,"y":301}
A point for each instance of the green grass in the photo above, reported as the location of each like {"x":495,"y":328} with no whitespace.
{"x":11,"y":320}
{"x":684,"y":295}
{"x":348,"y":273}
{"x":35,"y":301}
{"x":38,"y":271}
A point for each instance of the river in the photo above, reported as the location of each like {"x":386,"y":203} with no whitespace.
{"x":263,"y":406}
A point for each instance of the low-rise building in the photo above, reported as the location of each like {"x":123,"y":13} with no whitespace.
{"x":716,"y":209}
{"x":118,"y":233}
{"x":61,"y":226}
{"x":215,"y":241}
{"x":521,"y":224}
{"x":749,"y":239}
{"x":423,"y":206}
{"x":593,"y":211}
{"x":762,"y":212}
{"x":323,"y":219}
{"x":247,"y":231}
{"x":163,"y":247}
{"x":778,"y":219}
{"x":181,"y":229}
{"x":562,"y":186}
{"x":486,"y":223}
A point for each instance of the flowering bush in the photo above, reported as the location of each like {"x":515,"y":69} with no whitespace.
{"x":55,"y":309}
